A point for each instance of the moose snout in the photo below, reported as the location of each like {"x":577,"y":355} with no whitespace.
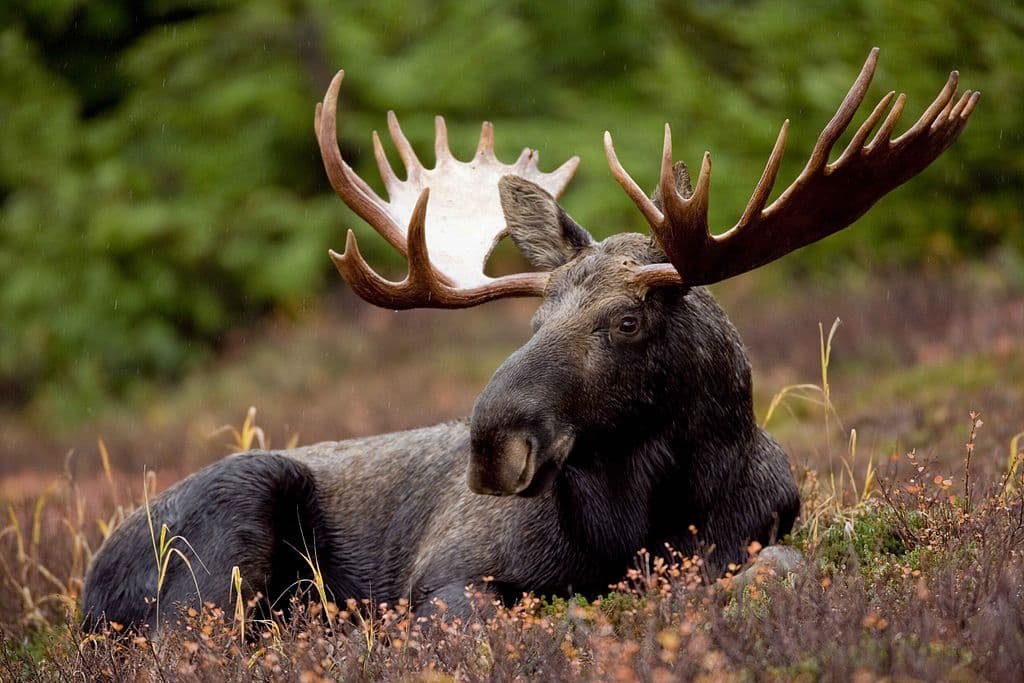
{"x":505,"y":468}
{"x":519,"y":439}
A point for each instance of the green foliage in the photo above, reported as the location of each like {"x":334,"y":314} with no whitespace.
{"x":558,"y":608}
{"x":159,"y":181}
{"x":861,"y":541}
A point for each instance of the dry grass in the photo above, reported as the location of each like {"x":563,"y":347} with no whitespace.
{"x":912,"y":573}
{"x":913,"y":516}
{"x":909,"y":581}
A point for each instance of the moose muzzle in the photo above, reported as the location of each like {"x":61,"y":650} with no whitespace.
{"x":504,"y":468}
{"x":518,"y":463}
{"x":520,"y":431}
{"x":518,"y":445}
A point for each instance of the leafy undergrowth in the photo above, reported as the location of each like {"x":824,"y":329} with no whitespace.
{"x":909,"y":571}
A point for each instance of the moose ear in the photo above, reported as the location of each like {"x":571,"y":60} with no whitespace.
{"x":539,"y":227}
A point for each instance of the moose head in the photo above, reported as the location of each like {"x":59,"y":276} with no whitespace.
{"x":622,"y":336}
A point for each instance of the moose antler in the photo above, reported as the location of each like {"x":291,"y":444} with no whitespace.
{"x":825,"y":197}
{"x":465,"y":218}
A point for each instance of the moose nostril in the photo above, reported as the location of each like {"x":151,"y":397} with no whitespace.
{"x":505,"y":468}
{"x":515,"y":459}
{"x":526,"y":471}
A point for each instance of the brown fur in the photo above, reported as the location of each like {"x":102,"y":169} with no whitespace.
{"x":593,"y":441}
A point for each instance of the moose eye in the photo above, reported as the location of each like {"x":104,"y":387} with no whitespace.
{"x":629,"y":324}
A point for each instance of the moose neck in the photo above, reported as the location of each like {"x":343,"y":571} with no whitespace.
{"x":710,"y":419}
{"x":681,"y":448}
{"x":604,"y":493}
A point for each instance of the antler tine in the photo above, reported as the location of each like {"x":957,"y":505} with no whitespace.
{"x":824,"y":198}
{"x":347,"y":185}
{"x":764,"y":186}
{"x":671,"y":201}
{"x":442,"y":152}
{"x":422,"y":277}
{"x":639,"y":197}
{"x":363,"y":280}
{"x":527,"y":159}
{"x":698,"y":203}
{"x":684,"y":227}
{"x":884,"y":133}
{"x":961,"y":105}
{"x":485,"y":149}
{"x":934,"y":109}
{"x":970,"y":105}
{"x":387,"y":173}
{"x":420,"y":283}
{"x":857,"y":141}
{"x":413,"y":167}
{"x":337,"y":169}
{"x":561,"y":175}
{"x":526,"y":165}
{"x":339,"y":166}
{"x":845,"y":113}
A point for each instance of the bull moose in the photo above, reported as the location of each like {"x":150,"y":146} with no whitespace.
{"x":626,"y":420}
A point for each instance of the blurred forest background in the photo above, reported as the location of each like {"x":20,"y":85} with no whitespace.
{"x":162,"y":199}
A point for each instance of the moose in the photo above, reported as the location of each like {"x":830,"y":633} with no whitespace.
{"x":624,"y":422}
